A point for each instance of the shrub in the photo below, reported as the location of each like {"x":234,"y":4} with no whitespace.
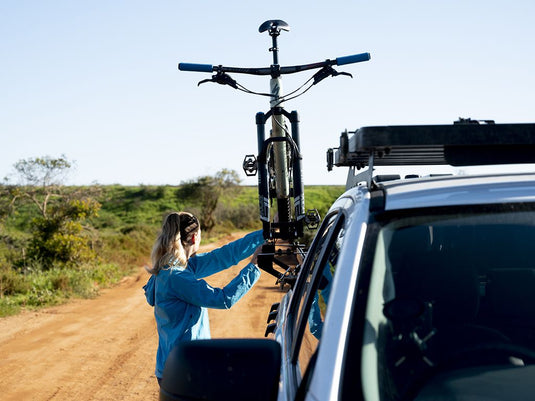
{"x":243,"y":217}
{"x":12,"y":282}
{"x":59,"y":238}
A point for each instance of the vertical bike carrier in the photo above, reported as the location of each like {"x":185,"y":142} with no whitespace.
{"x":278,"y":163}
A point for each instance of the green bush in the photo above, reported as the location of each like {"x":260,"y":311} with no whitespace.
{"x":241,"y":218}
{"x":108,"y":274}
{"x":60,"y":237}
{"x":131,"y":246}
{"x":10,"y":305}
{"x":12,"y":282}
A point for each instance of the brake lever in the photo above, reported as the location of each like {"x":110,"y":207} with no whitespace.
{"x":343,"y":73}
{"x":328,"y":71}
{"x":205,"y":81}
{"x":222,"y":79}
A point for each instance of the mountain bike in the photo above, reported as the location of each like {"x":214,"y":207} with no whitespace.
{"x":278,"y":164}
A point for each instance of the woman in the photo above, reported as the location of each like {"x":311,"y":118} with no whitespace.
{"x":175,"y":289}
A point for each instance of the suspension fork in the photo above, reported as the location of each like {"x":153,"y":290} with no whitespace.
{"x":298,"y":188}
{"x":286,"y":228}
{"x":263,"y":184}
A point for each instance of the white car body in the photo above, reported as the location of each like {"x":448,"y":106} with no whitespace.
{"x":404,"y":194}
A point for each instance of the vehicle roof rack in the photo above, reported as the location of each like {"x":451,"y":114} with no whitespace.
{"x":466,"y":142}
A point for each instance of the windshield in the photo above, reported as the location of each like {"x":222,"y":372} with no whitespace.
{"x":448,"y":290}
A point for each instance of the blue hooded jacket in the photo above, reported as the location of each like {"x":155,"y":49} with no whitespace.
{"x":180,"y":296}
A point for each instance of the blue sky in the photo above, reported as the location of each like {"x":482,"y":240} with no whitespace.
{"x":98,"y":81}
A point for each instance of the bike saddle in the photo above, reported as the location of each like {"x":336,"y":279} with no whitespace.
{"x":274,"y":25}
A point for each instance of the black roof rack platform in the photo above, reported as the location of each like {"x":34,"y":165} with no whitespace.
{"x":460,"y":144}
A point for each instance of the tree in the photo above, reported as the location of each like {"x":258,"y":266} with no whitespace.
{"x":42,"y":178}
{"x":58,"y":236}
{"x":206,"y":191}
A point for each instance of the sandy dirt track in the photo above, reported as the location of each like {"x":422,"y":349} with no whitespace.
{"x":104,"y":348}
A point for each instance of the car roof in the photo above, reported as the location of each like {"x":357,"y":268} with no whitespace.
{"x":459,"y":190}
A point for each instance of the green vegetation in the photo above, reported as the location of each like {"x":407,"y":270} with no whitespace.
{"x":91,"y":237}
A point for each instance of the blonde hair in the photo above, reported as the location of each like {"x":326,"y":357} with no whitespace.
{"x":175,"y":235}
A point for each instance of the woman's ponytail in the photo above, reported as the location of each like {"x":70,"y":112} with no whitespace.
{"x":169,"y":247}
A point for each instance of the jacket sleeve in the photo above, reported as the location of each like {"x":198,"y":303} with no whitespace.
{"x":150,"y":291}
{"x":185,"y":286}
{"x":206,"y":264}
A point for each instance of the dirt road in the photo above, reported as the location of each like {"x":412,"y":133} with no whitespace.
{"x":104,"y":348}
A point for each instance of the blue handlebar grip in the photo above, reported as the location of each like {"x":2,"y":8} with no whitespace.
{"x":356,"y":58}
{"x":195,"y":67}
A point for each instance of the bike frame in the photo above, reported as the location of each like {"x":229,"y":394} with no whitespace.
{"x":279,"y":160}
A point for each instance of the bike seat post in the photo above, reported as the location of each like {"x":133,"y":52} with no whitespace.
{"x":274,"y":27}
{"x":274,"y":33}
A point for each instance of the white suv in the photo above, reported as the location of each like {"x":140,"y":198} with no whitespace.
{"x":416,"y":288}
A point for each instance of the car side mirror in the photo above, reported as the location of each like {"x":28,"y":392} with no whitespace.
{"x":222,"y":369}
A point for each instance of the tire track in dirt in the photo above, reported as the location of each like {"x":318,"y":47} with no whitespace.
{"x":104,"y":348}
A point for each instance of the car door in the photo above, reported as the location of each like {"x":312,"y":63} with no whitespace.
{"x":309,"y":305}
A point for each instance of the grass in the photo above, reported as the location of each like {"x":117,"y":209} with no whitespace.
{"x":37,"y":289}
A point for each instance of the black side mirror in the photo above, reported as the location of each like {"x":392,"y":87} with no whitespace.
{"x":222,"y":369}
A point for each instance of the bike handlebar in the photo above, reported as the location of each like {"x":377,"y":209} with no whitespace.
{"x":356,"y":58}
{"x":274,"y":69}
{"x":195,"y":67}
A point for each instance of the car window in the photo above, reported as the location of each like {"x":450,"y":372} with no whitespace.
{"x":316,"y":289}
{"x":444,"y":284}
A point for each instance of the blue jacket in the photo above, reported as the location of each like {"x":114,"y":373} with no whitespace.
{"x":180,"y":297}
